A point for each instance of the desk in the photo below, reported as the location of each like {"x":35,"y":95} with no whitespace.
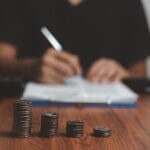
{"x":130,"y":128}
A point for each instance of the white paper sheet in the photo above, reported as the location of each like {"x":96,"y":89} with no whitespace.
{"x":79,"y":90}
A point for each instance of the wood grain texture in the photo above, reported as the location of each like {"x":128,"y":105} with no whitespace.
{"x":130,"y":128}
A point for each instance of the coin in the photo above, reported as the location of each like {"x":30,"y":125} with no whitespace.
{"x":22,"y":122}
{"x":49,"y":124}
{"x":102,"y":131}
{"x":75,"y":129}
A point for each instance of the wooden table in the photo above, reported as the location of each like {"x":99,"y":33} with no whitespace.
{"x":130,"y":128}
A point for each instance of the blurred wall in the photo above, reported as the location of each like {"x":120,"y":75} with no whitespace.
{"x":146,"y":4}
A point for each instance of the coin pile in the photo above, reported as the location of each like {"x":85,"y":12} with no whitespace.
{"x":75,"y":129}
{"x":101,"y":131}
{"x":22,"y":122}
{"x":49,"y":124}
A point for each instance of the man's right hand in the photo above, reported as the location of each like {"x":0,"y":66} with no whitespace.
{"x":55,"y":66}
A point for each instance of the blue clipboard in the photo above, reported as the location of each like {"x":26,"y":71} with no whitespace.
{"x":61,"y":104}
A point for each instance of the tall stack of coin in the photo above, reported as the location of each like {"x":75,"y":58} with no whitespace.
{"x":75,"y":129}
{"x":102,"y":131}
{"x":22,"y":122}
{"x":49,"y":124}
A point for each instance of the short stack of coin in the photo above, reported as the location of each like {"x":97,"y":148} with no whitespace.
{"x":49,"y":124}
{"x":101,"y":131}
{"x":22,"y":122}
{"x":75,"y":129}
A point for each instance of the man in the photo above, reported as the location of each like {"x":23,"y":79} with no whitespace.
{"x":108,"y":40}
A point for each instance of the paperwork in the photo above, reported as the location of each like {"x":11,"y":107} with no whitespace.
{"x":79,"y":90}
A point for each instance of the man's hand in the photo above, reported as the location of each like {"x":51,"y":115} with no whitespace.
{"x":105,"y":70}
{"x":55,"y":66}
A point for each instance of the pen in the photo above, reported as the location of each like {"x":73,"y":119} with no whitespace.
{"x":52,"y":40}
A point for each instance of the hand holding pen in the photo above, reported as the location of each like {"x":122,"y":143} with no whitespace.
{"x":57,"y":64}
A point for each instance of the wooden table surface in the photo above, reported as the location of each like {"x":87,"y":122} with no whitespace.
{"x":130,"y":128}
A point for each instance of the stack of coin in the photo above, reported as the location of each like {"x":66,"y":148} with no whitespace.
{"x":22,"y":122}
{"x":75,"y":129}
{"x":101,"y":131}
{"x":49,"y":124}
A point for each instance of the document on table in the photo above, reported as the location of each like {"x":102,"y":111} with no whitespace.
{"x":79,"y":90}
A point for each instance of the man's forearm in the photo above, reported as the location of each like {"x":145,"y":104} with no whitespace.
{"x":139,"y":70}
{"x":25,"y":69}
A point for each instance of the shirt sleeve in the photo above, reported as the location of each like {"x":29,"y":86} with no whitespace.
{"x":20,"y":26}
